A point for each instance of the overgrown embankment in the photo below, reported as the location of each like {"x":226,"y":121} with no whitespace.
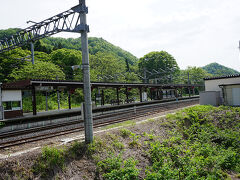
{"x":201,"y":142}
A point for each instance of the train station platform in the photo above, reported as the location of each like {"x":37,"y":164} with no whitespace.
{"x":156,"y":90}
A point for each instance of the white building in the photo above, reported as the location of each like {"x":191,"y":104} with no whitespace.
{"x":10,"y":103}
{"x":221,"y":90}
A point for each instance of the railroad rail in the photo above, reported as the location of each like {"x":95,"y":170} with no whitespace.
{"x":36,"y":134}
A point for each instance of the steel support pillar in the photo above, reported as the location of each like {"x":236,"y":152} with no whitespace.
{"x":176,"y":93}
{"x":1,"y":106}
{"x":161,"y":94}
{"x":58,"y":99}
{"x":46,"y":100}
{"x":103,"y":101}
{"x":69,"y":101}
{"x":127,"y":94}
{"x":118,"y":101}
{"x":140,"y":92}
{"x":151,"y":94}
{"x":88,"y":121}
{"x":34,"y":104}
{"x":32,"y":52}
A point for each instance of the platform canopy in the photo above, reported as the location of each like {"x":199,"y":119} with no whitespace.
{"x":28,"y":84}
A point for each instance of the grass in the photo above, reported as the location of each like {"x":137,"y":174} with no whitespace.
{"x":204,"y":144}
{"x":50,"y":159}
{"x":125,"y":133}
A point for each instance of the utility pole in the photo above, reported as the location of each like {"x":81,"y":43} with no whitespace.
{"x":189,"y":93}
{"x":88,"y":121}
{"x":1,"y":106}
{"x":145,"y":75}
{"x":32,"y":52}
{"x":239,"y":46}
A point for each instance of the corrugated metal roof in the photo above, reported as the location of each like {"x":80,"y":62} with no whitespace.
{"x":229,"y":84}
{"x":26,"y":84}
{"x":222,"y":77}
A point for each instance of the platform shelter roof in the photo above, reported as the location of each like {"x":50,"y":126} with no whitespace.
{"x":28,"y":84}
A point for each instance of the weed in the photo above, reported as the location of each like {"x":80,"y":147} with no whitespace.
{"x":115,"y":168}
{"x":149,"y":136}
{"x":125,"y":133}
{"x":134,"y":142}
{"x":151,"y":120}
{"x":115,"y":141}
{"x":77,"y":149}
{"x":98,"y":145}
{"x":207,"y":146}
{"x":49,"y":160}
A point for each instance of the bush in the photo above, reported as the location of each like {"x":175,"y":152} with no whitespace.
{"x":205,"y":145}
{"x":50,"y":159}
{"x":125,"y":133}
{"x":115,"y":168}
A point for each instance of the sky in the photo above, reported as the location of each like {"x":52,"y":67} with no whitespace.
{"x":194,"y":32}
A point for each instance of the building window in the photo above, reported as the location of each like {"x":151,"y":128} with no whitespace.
{"x":12,"y":105}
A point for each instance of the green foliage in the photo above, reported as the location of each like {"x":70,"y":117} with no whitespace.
{"x":219,"y":70}
{"x":196,"y":75}
{"x":77,"y":149}
{"x":40,"y":45}
{"x":98,"y":145}
{"x":49,"y":160}
{"x":65,"y":58}
{"x":206,"y":148}
{"x":134,"y":142}
{"x":9,"y":61}
{"x":67,"y":52}
{"x":95,"y":45}
{"x":8,"y":32}
{"x":125,"y":133}
{"x":41,"y":56}
{"x":40,"y":70}
{"x":159,"y":61}
{"x":115,"y":142}
{"x":105,"y":64}
{"x":115,"y":168}
{"x":149,"y":136}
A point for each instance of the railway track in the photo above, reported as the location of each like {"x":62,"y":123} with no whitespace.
{"x":17,"y":138}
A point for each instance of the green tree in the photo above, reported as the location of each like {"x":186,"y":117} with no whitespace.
{"x":66,"y":58}
{"x":8,"y":32}
{"x":196,"y":76}
{"x":41,"y":46}
{"x":40,"y":70}
{"x":106,"y":65}
{"x":11,"y":60}
{"x":160,"y":61}
{"x":41,"y":56}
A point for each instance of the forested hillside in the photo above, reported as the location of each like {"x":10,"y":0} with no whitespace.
{"x":107,"y":60}
{"x":219,"y":70}
{"x":54,"y":58}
